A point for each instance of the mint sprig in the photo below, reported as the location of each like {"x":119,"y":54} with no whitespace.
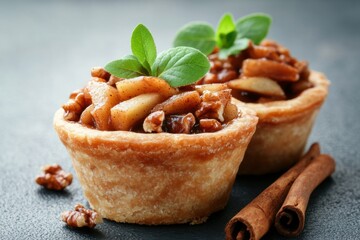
{"x":230,"y":37}
{"x":178,"y":66}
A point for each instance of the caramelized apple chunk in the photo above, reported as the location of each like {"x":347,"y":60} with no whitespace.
{"x":104,"y":97}
{"x":126,"y":114}
{"x":259,"y":85}
{"x":179,"y":104}
{"x":215,"y":87}
{"x":133,"y":87}
{"x":269,"y":69}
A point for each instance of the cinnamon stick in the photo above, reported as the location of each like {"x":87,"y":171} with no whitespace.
{"x":254,"y":220}
{"x":290,"y":219}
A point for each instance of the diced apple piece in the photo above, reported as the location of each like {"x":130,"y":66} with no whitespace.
{"x":179,"y":104}
{"x":230,"y":112}
{"x":104,"y":97}
{"x":86,"y":117}
{"x":261,"y":86}
{"x":269,"y":69}
{"x":133,"y":87}
{"x":214,"y":87}
{"x":127,"y":114}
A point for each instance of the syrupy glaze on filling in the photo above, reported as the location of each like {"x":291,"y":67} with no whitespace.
{"x":268,"y":60}
{"x":149,"y":105}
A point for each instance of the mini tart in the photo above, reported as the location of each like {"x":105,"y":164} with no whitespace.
{"x":159,"y":178}
{"x":283,"y":129}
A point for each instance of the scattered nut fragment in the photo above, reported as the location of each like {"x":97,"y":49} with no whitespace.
{"x":81,"y":217}
{"x":54,"y":178}
{"x":210,"y":125}
{"x":154,"y":122}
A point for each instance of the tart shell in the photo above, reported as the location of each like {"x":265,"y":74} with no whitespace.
{"x":159,"y":178}
{"x":283,"y":129}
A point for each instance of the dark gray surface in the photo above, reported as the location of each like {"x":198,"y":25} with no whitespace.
{"x":48,"y":47}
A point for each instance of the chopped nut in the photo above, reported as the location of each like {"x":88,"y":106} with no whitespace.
{"x":213,"y":103}
{"x":100,"y":72}
{"x":154,"y":122}
{"x":75,"y":93}
{"x":54,"y":177}
{"x":74,"y":106}
{"x":81,"y":217}
{"x":210,"y":125}
{"x":180,"y":123}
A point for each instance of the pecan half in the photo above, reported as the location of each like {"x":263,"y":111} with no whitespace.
{"x":54,"y":177}
{"x":81,"y":217}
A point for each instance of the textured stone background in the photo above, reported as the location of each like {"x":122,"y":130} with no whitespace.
{"x":47,"y":49}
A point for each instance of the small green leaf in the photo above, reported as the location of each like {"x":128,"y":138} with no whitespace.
{"x":226,"y":26}
{"x":227,"y":40}
{"x":254,"y":27}
{"x":127,"y":67}
{"x":239,"y":45}
{"x":197,"y":35}
{"x":143,"y":46}
{"x":181,"y":66}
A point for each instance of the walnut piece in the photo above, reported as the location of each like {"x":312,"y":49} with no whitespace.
{"x":74,"y":107}
{"x":81,"y":217}
{"x":54,"y":177}
{"x":213,"y":104}
{"x":100,"y":72}
{"x":154,"y":122}
{"x":180,"y":123}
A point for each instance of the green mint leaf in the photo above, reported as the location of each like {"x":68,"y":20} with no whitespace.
{"x":127,"y":67}
{"x":227,"y":40}
{"x":143,"y":46}
{"x":181,"y":66}
{"x":197,"y":35}
{"x":254,"y":27}
{"x":239,"y":45}
{"x":226,"y":26}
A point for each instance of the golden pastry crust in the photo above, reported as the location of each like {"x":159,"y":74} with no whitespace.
{"x":159,"y":178}
{"x":283,"y":129}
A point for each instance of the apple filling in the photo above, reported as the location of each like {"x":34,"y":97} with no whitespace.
{"x":260,"y":74}
{"x":149,"y":104}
